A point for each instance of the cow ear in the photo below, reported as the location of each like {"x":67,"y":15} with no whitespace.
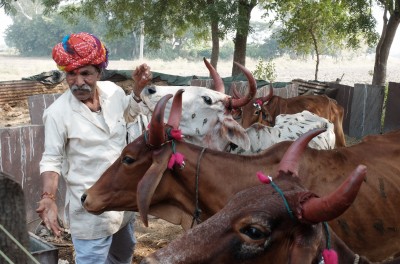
{"x":148,"y":184}
{"x":235,"y":133}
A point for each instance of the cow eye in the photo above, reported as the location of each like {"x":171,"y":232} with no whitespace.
{"x":256,"y":112}
{"x":207,"y":100}
{"x":127,"y":160}
{"x":254,"y":233}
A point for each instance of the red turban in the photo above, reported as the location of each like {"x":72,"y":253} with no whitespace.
{"x":78,"y":50}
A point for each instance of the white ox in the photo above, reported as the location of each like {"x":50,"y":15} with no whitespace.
{"x":206,"y":117}
{"x":289,"y":127}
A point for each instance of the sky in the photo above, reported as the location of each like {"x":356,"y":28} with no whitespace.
{"x":5,"y":21}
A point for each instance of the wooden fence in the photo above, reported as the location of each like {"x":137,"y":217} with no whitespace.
{"x":21,"y":147}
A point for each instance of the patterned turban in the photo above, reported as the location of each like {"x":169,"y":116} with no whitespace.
{"x":78,"y":50}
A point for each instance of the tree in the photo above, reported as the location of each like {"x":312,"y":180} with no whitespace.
{"x":322,"y":26}
{"x":170,"y":19}
{"x":390,"y":25}
{"x":242,"y":30}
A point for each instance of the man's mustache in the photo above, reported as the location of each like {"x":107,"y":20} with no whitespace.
{"x":83,"y":88}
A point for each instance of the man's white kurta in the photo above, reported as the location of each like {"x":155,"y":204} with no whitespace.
{"x":92,"y":142}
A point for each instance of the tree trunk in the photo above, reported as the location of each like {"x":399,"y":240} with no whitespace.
{"x":242,"y":31}
{"x":13,"y":219}
{"x":215,"y":43}
{"x":315,"y":42}
{"x":383,"y":48}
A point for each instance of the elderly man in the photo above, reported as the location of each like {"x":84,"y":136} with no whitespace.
{"x":85,"y":131}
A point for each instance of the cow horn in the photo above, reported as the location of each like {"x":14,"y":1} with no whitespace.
{"x":156,"y":126}
{"x":176,"y":110}
{"x":290,"y":161}
{"x":269,"y":96}
{"x":235,"y":92}
{"x":318,"y":210}
{"x":218,"y":83}
{"x":236,"y":103}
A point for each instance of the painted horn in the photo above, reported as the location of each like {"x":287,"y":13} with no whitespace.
{"x":236,"y":103}
{"x":176,"y":110}
{"x":218,"y":83}
{"x":269,"y":96}
{"x":318,"y":210}
{"x":290,"y":161}
{"x":156,"y":126}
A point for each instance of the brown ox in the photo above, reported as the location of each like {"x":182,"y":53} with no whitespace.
{"x":261,"y":225}
{"x":255,"y":227}
{"x":140,"y":180}
{"x":265,"y":109}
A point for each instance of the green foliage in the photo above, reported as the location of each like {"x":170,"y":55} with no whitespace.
{"x":265,"y":70}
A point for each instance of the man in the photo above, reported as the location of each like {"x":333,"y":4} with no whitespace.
{"x":85,"y":132}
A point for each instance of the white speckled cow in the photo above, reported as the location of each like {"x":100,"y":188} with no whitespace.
{"x":206,"y":117}
{"x":289,"y":127}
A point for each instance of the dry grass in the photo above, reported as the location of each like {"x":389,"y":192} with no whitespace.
{"x":355,"y":69}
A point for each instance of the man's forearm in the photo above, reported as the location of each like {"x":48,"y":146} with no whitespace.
{"x":50,"y":184}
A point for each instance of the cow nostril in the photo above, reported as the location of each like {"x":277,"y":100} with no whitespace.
{"x":83,"y":198}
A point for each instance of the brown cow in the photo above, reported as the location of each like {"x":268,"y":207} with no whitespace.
{"x":260,"y":225}
{"x":265,"y":109}
{"x":256,"y":227}
{"x":140,"y":180}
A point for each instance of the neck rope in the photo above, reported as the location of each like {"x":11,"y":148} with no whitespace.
{"x":197,"y":210}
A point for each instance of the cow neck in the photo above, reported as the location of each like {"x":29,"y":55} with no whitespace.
{"x":226,"y":172}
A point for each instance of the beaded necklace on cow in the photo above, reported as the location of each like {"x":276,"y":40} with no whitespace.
{"x":330,"y":256}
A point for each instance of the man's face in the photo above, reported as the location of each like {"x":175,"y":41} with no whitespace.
{"x":82,"y":82}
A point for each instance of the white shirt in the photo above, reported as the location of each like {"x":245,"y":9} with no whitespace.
{"x":91,"y":146}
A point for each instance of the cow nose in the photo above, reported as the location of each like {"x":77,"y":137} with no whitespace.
{"x":83,"y":198}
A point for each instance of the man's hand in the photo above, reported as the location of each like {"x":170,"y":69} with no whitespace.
{"x":48,"y":211}
{"x":142,"y":76}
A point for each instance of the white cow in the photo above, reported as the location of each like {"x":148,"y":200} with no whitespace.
{"x":206,"y":116}
{"x":289,"y":127}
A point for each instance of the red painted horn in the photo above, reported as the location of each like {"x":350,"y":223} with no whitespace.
{"x":218,"y":83}
{"x":176,"y":110}
{"x":318,"y":210}
{"x":156,"y":126}
{"x":290,"y":161}
{"x":236,"y":103}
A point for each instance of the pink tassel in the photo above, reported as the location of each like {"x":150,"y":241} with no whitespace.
{"x":176,"y":134}
{"x":176,"y":159}
{"x":330,"y":256}
{"x":262,"y":178}
{"x":259,"y":102}
{"x":171,"y":161}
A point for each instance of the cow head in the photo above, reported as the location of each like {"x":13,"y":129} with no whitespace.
{"x":206,"y":117}
{"x":281,"y":222}
{"x":256,"y":111}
